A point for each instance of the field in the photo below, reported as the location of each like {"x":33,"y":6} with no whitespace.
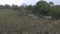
{"x":12,"y":23}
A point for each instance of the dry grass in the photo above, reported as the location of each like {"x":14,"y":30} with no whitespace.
{"x":26,"y":25}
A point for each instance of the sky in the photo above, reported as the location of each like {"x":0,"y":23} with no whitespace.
{"x":56,"y":2}
{"x":20,"y":2}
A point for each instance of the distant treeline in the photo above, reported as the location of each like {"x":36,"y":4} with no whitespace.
{"x":41,"y":8}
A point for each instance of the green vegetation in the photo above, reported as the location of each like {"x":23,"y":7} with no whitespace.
{"x":14,"y":19}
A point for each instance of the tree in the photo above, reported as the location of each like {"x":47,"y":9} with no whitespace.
{"x":51,"y":3}
{"x":42,"y":8}
{"x":55,"y":11}
{"x":6,"y":6}
{"x":15,"y":7}
{"x":30,"y":8}
{"x":1,"y":7}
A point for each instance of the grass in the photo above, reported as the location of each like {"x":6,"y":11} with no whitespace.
{"x":10,"y":23}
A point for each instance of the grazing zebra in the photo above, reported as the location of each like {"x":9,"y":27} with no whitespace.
{"x":47,"y":17}
{"x":32,"y":16}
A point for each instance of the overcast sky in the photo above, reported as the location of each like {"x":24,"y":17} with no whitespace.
{"x":19,"y":2}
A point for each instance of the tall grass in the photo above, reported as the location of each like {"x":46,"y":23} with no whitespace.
{"x":11,"y":23}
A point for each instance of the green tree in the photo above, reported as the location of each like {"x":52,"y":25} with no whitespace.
{"x":7,"y":6}
{"x":30,"y":8}
{"x":1,"y":7}
{"x":42,"y":7}
{"x":15,"y":7}
{"x":55,"y":11}
{"x":51,"y":3}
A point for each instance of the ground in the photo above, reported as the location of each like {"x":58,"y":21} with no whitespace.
{"x":12,"y":23}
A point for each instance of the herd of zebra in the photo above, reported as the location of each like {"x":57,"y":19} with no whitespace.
{"x":35,"y":17}
{"x":45,"y":17}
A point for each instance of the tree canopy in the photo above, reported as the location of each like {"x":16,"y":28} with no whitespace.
{"x":41,"y":8}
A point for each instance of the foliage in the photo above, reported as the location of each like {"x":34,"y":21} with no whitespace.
{"x":51,"y":4}
{"x":55,"y":11}
{"x":13,"y":19}
{"x":41,"y":8}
